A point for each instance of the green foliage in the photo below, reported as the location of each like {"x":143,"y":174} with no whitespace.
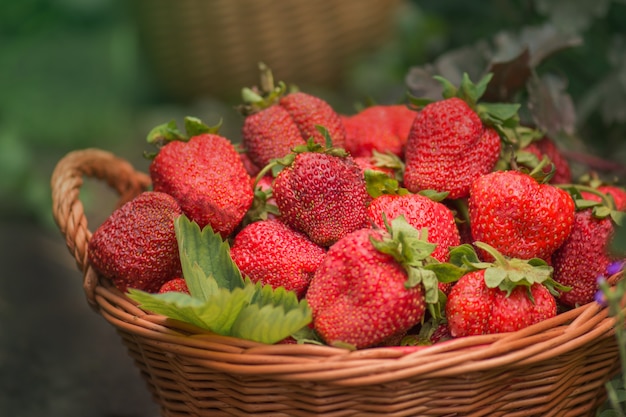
{"x":220,"y":300}
{"x":564,"y":61}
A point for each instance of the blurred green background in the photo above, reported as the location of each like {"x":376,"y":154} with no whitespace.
{"x":83,"y":73}
{"x":101,"y":73}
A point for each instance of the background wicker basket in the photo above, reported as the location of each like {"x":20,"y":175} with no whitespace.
{"x":199,"y":48}
{"x":555,"y":368}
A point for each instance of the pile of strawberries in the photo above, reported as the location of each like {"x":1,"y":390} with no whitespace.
{"x":401,"y":224}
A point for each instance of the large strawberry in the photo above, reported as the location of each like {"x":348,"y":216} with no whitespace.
{"x":384,"y":128}
{"x":276,"y":121}
{"x":519,"y":216}
{"x":585,"y":255}
{"x":455,"y":140}
{"x":204,"y":173}
{"x":371,"y":286}
{"x":505,"y":296}
{"x":136,"y":245}
{"x":321,"y":192}
{"x":270,"y":252}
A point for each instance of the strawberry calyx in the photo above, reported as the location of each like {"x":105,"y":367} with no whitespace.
{"x":378,"y":183}
{"x":260,"y":209}
{"x":277,"y":164}
{"x":390,"y":161}
{"x":606,"y":207}
{"x":508,"y":273}
{"x":411,"y":249}
{"x":164,"y":133}
{"x":538,"y":171}
{"x":260,"y":97}
{"x":519,"y":139}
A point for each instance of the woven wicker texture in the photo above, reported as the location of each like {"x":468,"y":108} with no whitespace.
{"x":200,"y":48}
{"x":555,"y":368}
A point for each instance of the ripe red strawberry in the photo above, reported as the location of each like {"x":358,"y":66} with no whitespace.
{"x":174,"y":285}
{"x":136,"y":245}
{"x":322,"y":194}
{"x":272,"y":253}
{"x":520,"y":217}
{"x":276,"y":122}
{"x":450,"y":145}
{"x":506,"y":296}
{"x":383,"y":128}
{"x":546,"y":147}
{"x":585,"y":255}
{"x":420,"y":212}
{"x":473,"y":308}
{"x":207,"y":177}
{"x":362,"y":293}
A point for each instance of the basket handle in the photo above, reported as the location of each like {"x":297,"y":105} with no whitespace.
{"x":68,"y":211}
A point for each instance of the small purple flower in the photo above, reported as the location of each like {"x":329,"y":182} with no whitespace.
{"x":615,"y":267}
{"x":600,"y":296}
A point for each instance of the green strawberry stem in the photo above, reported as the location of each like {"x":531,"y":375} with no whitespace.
{"x":256,"y":99}
{"x":538,"y":172}
{"x":411,"y":249}
{"x":161,"y":134}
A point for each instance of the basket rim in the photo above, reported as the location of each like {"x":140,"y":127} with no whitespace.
{"x":578,"y":328}
{"x":581,"y":327}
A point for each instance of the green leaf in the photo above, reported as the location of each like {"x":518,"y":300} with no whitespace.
{"x":471,"y":92}
{"x":498,"y":113}
{"x":328,"y":142}
{"x":428,"y":279}
{"x":250,"y":96}
{"x":270,"y":323}
{"x":449,"y":89}
{"x":446,"y":272}
{"x":163,"y":133}
{"x":411,"y":249}
{"x":494,"y":277}
{"x":379,"y":183}
{"x":463,"y":256}
{"x":618,"y":217}
{"x":601,"y":212}
{"x":273,"y":314}
{"x":419,"y":102}
{"x":194,"y":127}
{"x":217,"y":313}
{"x":210,"y":253}
{"x":434,"y":195}
{"x":254,"y":312}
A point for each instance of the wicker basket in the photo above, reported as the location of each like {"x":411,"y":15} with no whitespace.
{"x":199,"y":48}
{"x":554,"y":368}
